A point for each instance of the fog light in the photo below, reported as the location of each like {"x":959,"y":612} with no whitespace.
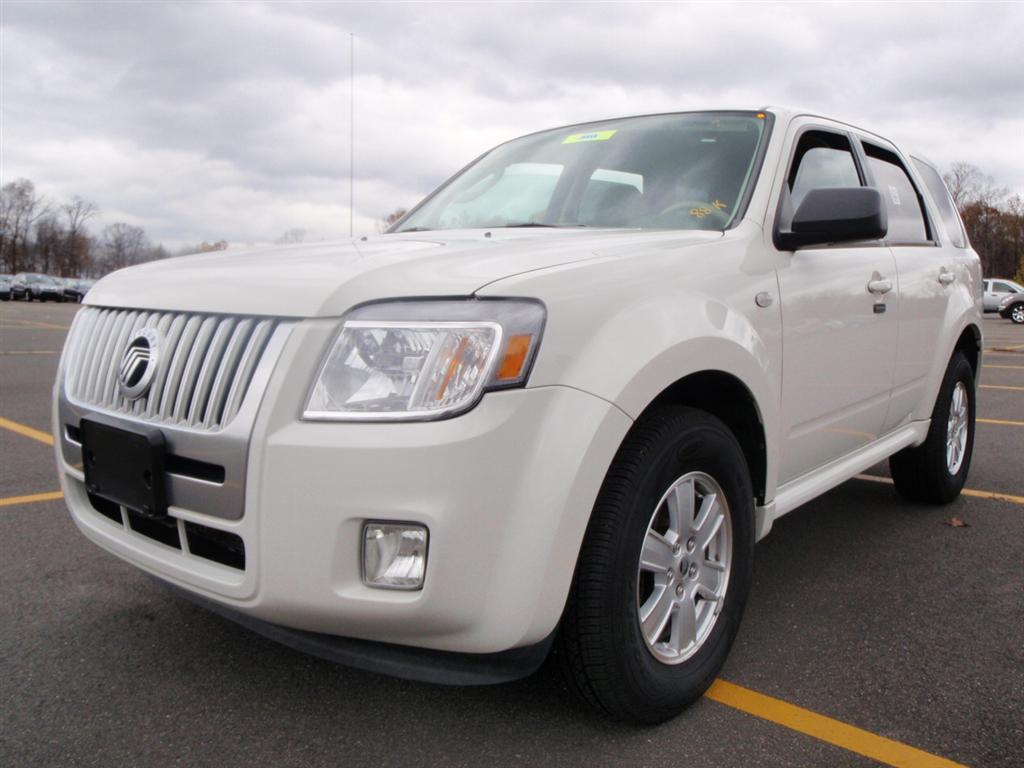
{"x":394,"y":555}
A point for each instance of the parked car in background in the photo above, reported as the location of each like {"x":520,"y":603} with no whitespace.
{"x":998,"y":289}
{"x":1012,"y":307}
{"x":74,"y":289}
{"x":5,"y":287}
{"x":31,"y":286}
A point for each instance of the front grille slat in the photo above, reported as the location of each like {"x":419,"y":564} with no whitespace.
{"x":214,"y":352}
{"x":205,"y":364}
{"x":110,"y":363}
{"x":89,"y":367}
{"x":226,"y":372}
{"x":246,"y":368}
{"x":170,"y":328}
{"x":98,"y":391}
{"x":73,"y":360}
{"x":187,"y":388}
{"x":177,"y":366}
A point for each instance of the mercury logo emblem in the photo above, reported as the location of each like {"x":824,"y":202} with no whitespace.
{"x":139,"y":364}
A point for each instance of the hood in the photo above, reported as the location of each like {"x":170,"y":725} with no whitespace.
{"x":326,"y":279}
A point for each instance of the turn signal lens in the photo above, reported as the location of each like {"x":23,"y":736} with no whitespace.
{"x":515,"y":358}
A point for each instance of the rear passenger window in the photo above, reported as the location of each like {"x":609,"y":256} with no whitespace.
{"x":822,"y":160}
{"x":906,"y":219}
{"x":943,"y":202}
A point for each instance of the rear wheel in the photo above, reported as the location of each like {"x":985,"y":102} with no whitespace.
{"x":664,"y":570}
{"x":936,"y":470}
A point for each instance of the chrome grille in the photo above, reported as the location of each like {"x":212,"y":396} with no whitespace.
{"x":206,"y":364}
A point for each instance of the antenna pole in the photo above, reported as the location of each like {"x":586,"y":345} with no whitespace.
{"x":351,"y":129}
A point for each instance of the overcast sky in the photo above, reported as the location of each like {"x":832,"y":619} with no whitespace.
{"x":210,"y":120}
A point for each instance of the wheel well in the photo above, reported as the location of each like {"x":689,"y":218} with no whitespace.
{"x":727,"y":398}
{"x":970,"y":344}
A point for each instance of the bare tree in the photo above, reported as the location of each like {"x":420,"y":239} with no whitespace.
{"x":384,"y":224}
{"x":75,"y":255}
{"x":203,"y":247}
{"x":49,"y":244}
{"x":123,"y":245}
{"x":992,"y":218}
{"x":20,"y":208}
{"x":291,"y":236}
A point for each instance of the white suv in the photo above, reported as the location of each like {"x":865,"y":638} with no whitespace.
{"x":553,"y":407}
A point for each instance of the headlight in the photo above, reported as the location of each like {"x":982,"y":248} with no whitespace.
{"x":419,"y":360}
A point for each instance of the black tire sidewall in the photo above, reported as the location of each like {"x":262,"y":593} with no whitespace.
{"x":704,"y":444}
{"x":959,"y":370}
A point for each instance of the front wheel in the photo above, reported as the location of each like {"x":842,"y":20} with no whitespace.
{"x":935,"y":471}
{"x":664,"y":571}
{"x":1017,"y":313}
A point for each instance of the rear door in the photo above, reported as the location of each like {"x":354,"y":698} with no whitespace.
{"x":838,"y":336}
{"x":927,"y":271}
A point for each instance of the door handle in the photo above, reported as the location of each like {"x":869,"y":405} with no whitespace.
{"x":879,"y":284}
{"x":946,"y":277}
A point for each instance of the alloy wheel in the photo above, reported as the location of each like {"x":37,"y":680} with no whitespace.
{"x":684,"y":568}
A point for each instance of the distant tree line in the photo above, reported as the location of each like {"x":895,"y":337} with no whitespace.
{"x":994,"y":220}
{"x":38,"y":234}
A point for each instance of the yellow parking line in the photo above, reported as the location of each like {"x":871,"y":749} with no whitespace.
{"x":824,"y":728}
{"x":1001,"y":386}
{"x":992,"y":495}
{"x":1004,"y":422}
{"x":11,"y":501}
{"x":1011,"y":367}
{"x":21,"y":429}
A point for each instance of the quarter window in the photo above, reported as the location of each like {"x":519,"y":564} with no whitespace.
{"x":906,"y":219}
{"x":943,"y":202}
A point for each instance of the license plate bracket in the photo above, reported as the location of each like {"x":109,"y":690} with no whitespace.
{"x":125,"y":466}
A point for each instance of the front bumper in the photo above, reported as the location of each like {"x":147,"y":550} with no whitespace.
{"x":505,"y":490}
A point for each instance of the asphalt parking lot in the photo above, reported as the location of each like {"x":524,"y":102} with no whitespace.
{"x":899,"y":637}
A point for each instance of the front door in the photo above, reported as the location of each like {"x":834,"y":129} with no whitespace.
{"x":840,"y":323}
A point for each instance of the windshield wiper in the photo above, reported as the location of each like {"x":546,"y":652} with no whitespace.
{"x":414,"y":229}
{"x":519,"y":224}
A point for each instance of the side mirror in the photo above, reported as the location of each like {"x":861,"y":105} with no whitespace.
{"x":836,"y":215}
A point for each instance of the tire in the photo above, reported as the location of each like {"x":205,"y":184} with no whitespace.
{"x":602,"y":649}
{"x":930,"y":472}
{"x":1017,"y":313}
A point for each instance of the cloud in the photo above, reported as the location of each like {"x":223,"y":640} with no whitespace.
{"x":231,"y":120}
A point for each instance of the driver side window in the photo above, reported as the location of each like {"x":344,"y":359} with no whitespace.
{"x":822,"y":159}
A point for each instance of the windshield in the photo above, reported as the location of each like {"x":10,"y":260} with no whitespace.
{"x":681,"y":171}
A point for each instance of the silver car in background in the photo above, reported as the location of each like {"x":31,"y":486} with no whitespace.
{"x":997,"y":290}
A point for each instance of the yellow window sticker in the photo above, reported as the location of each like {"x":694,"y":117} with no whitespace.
{"x":577,"y":138}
